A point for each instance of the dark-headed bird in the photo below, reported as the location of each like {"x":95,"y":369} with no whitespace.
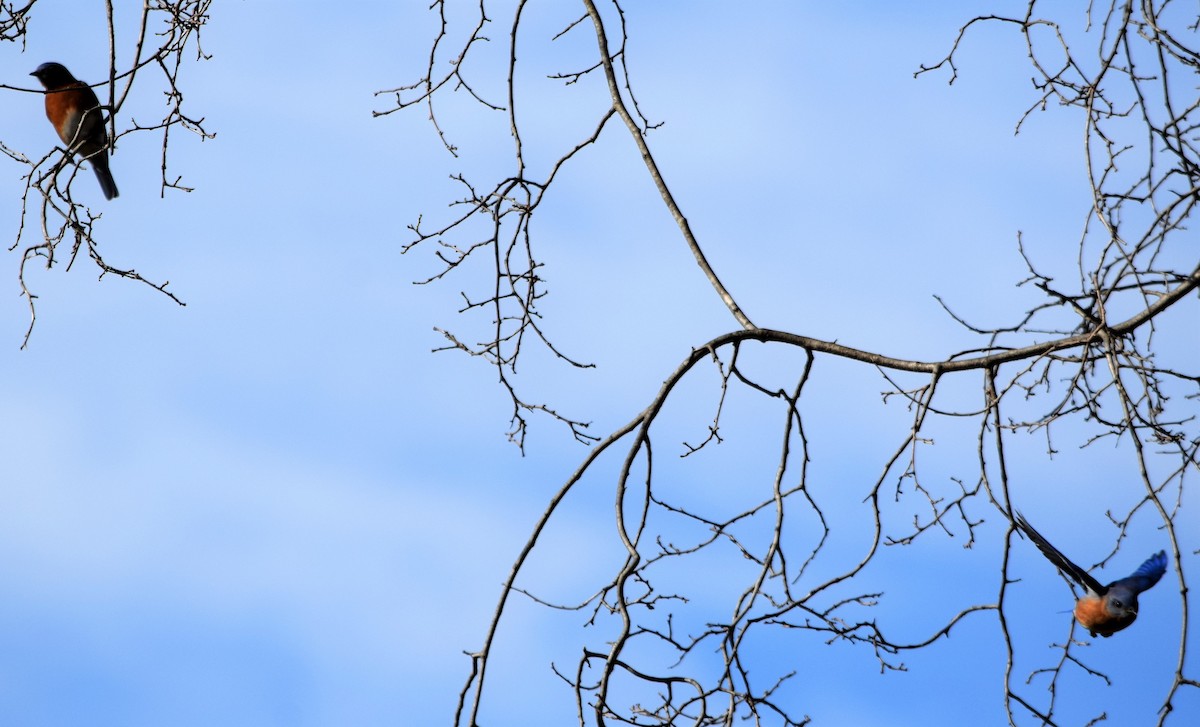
{"x":1102,"y":610}
{"x":74,"y":110}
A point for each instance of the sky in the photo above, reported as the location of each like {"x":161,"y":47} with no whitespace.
{"x":278,"y":506}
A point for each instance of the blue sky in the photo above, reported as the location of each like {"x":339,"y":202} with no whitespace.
{"x":277,"y":507}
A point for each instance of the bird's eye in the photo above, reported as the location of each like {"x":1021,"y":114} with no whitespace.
{"x":1117,"y":602}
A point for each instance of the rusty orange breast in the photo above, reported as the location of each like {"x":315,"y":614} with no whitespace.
{"x":1092,"y":614}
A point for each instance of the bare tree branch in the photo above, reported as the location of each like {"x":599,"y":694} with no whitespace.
{"x":174,"y":25}
{"x":1083,"y":354}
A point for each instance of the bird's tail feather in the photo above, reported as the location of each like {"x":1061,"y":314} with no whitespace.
{"x":107,"y":184}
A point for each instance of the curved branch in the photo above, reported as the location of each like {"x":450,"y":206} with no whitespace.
{"x":635,"y":131}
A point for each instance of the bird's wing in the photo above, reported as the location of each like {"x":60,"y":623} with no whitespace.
{"x":91,"y":134}
{"x":1061,"y":561}
{"x":1146,"y":575}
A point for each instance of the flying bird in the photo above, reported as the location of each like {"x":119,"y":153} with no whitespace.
{"x":74,"y":110}
{"x":1102,"y":610}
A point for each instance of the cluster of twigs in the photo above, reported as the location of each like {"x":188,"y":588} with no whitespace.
{"x":1085,"y":353}
{"x":166,"y":38}
{"x":1088,"y":352}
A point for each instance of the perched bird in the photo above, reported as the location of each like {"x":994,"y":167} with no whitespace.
{"x":1102,"y":610}
{"x":74,"y":110}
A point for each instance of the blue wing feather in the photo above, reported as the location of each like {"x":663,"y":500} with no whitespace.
{"x":1146,"y":575}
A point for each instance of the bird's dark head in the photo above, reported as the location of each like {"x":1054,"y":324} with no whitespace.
{"x":53,"y":75}
{"x":1121,"y":602}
